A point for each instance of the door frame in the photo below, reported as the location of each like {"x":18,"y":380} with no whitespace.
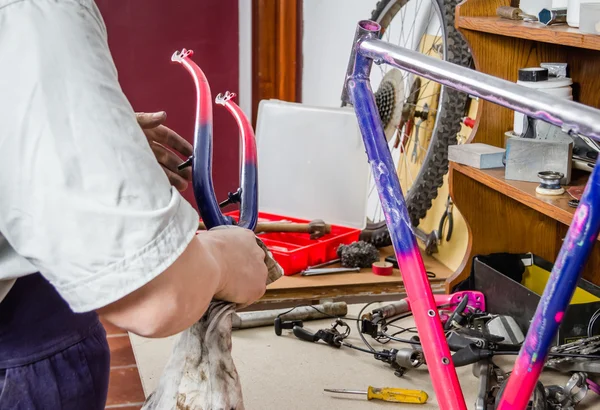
{"x":276,"y":51}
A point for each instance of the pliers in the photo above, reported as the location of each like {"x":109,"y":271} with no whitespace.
{"x":446,"y":215}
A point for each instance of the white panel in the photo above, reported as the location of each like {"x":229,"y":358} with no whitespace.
{"x":245,"y":57}
{"x":311,"y":163}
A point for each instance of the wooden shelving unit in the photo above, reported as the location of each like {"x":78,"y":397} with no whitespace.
{"x":554,"y":34}
{"x":503,"y":215}
{"x":524,"y":192}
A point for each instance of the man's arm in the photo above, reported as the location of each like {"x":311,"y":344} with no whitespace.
{"x":179,"y":296}
{"x":81,"y":194}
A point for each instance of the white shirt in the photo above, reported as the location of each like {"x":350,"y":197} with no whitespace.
{"x":83,"y":200}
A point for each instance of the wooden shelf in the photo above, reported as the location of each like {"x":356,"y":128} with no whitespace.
{"x":504,"y":215}
{"x":295,"y":288}
{"x":558,"y":34}
{"x":554,"y":207}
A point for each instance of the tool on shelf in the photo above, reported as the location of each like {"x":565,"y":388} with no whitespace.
{"x":447,"y":215}
{"x":327,"y":271}
{"x":550,"y":183}
{"x":317,"y":228}
{"x":514,"y":13}
{"x":324,"y":264}
{"x":553,"y":16}
{"x":394,"y":395}
{"x":384,"y":268}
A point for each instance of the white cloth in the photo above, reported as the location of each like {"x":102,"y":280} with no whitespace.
{"x":82,"y":197}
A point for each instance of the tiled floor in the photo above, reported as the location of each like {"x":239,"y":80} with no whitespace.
{"x":125,"y":387}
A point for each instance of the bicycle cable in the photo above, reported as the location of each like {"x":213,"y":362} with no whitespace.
{"x":502,"y":352}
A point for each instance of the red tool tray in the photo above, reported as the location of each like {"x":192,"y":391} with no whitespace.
{"x":296,"y":251}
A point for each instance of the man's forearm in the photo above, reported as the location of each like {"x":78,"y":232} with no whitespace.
{"x":174,"y":300}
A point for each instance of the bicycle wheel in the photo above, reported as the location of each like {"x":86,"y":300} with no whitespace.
{"x":427,"y":119}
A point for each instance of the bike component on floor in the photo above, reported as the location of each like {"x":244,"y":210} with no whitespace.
{"x":331,"y":336}
{"x":401,"y":360}
{"x":490,"y":376}
{"x":247,"y":320}
{"x":568,"y":396}
{"x":587,"y":346}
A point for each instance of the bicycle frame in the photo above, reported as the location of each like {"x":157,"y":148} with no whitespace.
{"x":571,"y":116}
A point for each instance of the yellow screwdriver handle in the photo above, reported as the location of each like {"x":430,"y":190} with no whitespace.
{"x":397,"y":395}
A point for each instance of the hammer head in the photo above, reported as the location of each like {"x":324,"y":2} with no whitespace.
{"x":317,"y":228}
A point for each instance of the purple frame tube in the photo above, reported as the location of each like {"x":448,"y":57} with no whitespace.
{"x":581,"y":236}
{"x":559,"y":290}
{"x":437,"y":354}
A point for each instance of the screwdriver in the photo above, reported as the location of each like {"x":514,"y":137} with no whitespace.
{"x":388,"y":394}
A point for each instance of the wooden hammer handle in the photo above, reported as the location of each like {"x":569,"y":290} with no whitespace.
{"x":282,"y":227}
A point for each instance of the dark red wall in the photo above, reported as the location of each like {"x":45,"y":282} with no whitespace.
{"x":143,"y":34}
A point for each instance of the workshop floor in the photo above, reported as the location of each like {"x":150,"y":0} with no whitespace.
{"x":125,"y":387}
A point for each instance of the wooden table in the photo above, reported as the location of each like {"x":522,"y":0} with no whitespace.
{"x":351,"y":287}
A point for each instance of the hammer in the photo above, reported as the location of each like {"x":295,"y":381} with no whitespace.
{"x":317,"y":228}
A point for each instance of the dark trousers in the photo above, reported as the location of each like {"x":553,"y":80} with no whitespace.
{"x":50,"y":357}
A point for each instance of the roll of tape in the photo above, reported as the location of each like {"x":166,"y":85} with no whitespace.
{"x":533,"y":74}
{"x":383,"y":268}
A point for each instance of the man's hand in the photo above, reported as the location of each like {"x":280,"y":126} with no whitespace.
{"x":165,"y":143}
{"x":243,"y":270}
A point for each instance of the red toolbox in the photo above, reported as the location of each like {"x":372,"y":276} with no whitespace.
{"x":296,"y":251}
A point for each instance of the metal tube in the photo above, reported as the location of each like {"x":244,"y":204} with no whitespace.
{"x":569,"y":115}
{"x":559,"y":290}
{"x":245,"y":320}
{"x":364,"y":29}
{"x":248,"y":176}
{"x":202,"y":183}
{"x":436,"y":351}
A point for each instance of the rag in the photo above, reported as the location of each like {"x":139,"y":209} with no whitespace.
{"x":200,"y":374}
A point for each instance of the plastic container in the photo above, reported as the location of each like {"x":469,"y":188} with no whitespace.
{"x":296,"y":251}
{"x":312,"y":163}
{"x":533,"y":7}
{"x":574,"y":10}
{"x":589,"y":18}
{"x":559,"y":87}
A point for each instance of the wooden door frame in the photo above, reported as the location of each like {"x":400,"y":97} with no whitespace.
{"x":276,"y":51}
